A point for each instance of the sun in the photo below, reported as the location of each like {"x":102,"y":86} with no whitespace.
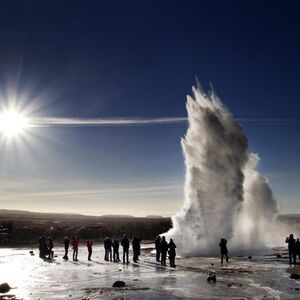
{"x":12,"y":123}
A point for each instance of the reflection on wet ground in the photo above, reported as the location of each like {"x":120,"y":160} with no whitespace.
{"x":263,"y":277}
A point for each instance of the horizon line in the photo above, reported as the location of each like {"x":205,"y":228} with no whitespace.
{"x":107,"y":215}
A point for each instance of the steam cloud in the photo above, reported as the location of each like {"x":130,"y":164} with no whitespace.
{"x":225,"y":197}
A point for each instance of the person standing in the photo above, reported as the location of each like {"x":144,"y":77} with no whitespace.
{"x":172,"y":253}
{"x":157,"y":248}
{"x":89,"y":245}
{"x":42,"y":247}
{"x":75,"y":243}
{"x":292,"y":248}
{"x":115,"y":246}
{"x":125,"y":245}
{"x":107,"y":248}
{"x":136,"y":246}
{"x":224,"y":251}
{"x":139,"y":248}
{"x":66,"y":245}
{"x":297,"y":249}
{"x":164,"y":250}
{"x":50,"y":247}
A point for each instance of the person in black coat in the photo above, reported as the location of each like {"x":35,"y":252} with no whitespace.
{"x":224,"y":251}
{"x":115,"y":246}
{"x":43,"y":247}
{"x":172,"y":253}
{"x":136,"y":246}
{"x":297,"y":249}
{"x":157,"y":248}
{"x":66,"y":245}
{"x":107,"y":248}
{"x":125,"y":245}
{"x":292,"y":248}
{"x":164,"y":250}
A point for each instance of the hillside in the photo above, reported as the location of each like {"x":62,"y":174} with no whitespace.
{"x":24,"y":227}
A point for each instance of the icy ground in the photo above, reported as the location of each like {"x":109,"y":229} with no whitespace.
{"x":263,"y":277}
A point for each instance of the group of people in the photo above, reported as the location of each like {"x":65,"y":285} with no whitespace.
{"x":46,"y":247}
{"x":294,"y":248}
{"x":162,"y":247}
{"x":111,"y":249}
{"x":75,"y":245}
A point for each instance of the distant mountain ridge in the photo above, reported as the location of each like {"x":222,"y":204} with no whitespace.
{"x":26,"y":227}
{"x":117,"y":216}
{"x":32,"y":214}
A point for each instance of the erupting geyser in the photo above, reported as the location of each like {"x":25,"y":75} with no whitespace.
{"x":225,"y":197}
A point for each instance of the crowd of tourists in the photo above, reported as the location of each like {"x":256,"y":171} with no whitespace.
{"x":162,"y":248}
{"x":111,"y":249}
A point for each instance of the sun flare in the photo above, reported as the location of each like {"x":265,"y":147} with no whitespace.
{"x":12,"y":123}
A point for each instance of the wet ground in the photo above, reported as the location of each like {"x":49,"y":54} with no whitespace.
{"x":262,"y":277}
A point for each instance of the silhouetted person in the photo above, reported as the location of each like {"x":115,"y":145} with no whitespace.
{"x":292,"y":248}
{"x":297,"y":249}
{"x":172,"y":253}
{"x":75,"y":248}
{"x":66,"y":245}
{"x":115,"y":246}
{"x":136,"y":246}
{"x":125,"y":245}
{"x":157,"y":248}
{"x":89,"y":245}
{"x":42,"y":247}
{"x":107,"y":248}
{"x":50,"y":247}
{"x":164,"y":250}
{"x":224,"y":251}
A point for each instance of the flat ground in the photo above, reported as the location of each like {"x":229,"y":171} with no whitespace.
{"x":263,"y":277}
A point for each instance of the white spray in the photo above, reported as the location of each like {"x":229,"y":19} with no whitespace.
{"x":225,"y":197}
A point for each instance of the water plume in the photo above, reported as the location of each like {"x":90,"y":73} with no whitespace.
{"x":225,"y":197}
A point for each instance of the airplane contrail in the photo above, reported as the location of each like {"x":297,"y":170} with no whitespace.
{"x":78,"y":122}
{"x":46,"y":121}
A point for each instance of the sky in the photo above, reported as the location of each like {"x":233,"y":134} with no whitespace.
{"x":135,"y":61}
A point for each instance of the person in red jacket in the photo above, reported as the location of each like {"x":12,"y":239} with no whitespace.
{"x":75,"y":248}
{"x":89,"y":245}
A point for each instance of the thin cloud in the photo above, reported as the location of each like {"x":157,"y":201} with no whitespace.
{"x":80,"y":122}
{"x":102,"y":191}
{"x":41,"y":122}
